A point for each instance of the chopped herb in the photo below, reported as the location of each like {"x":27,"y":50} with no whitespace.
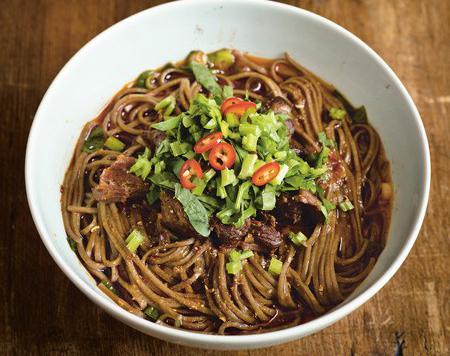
{"x":114,"y":144}
{"x":109,"y":286}
{"x":346,"y":205}
{"x":141,"y":81}
{"x":195,"y":211}
{"x":72,"y":244}
{"x":168,"y":124}
{"x":134,"y":240}
{"x":142,"y":167}
{"x":246,"y":254}
{"x":337,"y":113}
{"x":204,"y":76}
{"x":275,"y":266}
{"x":95,"y":140}
{"x":233,"y":267}
{"x":167,"y":105}
{"x":152,"y":313}
{"x":298,"y":238}
{"x":360,"y":115}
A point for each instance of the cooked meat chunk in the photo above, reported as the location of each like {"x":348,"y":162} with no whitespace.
{"x":291,"y":209}
{"x":173,"y":217}
{"x":116,"y":184}
{"x":279,"y":105}
{"x":306,"y":197}
{"x":266,"y":236}
{"x":229,"y":235}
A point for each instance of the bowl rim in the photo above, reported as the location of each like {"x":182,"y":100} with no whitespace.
{"x":208,"y":340}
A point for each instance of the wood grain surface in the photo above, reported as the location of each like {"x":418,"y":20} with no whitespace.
{"x":42,"y":312}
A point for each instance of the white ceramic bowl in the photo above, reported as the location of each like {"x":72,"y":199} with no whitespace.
{"x":164,"y":33}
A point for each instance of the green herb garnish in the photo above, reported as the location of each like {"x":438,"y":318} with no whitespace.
{"x":95,"y":140}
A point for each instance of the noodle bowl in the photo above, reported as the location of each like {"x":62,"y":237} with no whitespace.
{"x":182,"y":280}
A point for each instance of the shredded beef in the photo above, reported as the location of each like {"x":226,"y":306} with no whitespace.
{"x":116,"y":184}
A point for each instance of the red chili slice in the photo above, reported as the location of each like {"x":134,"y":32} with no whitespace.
{"x":240,"y":108}
{"x":266,"y":173}
{"x":208,"y":142}
{"x":189,"y":170}
{"x":229,"y":102}
{"x":222,"y":156}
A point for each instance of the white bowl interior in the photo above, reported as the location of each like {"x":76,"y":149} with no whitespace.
{"x":169,"y":32}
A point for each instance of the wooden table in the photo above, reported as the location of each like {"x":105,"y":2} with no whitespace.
{"x":41,"y":311}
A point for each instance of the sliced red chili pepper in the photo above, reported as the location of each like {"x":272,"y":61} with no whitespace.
{"x":222,"y":156}
{"x":189,"y":170}
{"x":266,"y":173}
{"x":229,"y":102}
{"x":240,"y":108}
{"x":208,"y":142}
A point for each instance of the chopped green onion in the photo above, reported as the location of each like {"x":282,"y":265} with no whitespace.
{"x":232,"y":119}
{"x":249,"y":142}
{"x":280,"y":155}
{"x":205,"y":78}
{"x":298,"y":238}
{"x":95,"y":140}
{"x":200,"y":186}
{"x":284,"y":168}
{"x":240,"y":195}
{"x":209,"y":174}
{"x":224,"y":127}
{"x":235,"y":256}
{"x":141,"y":81}
{"x":221,"y":59}
{"x":134,"y":240}
{"x":227,"y":92}
{"x":227,"y":177}
{"x":72,"y":244}
{"x":142,"y":167}
{"x":167,"y":104}
{"x":346,"y":205}
{"x":221,"y":191}
{"x":168,"y":124}
{"x":325,"y":141}
{"x":211,"y":124}
{"x":360,"y":115}
{"x":248,"y":166}
{"x":245,"y":129}
{"x":328,"y":204}
{"x":233,"y":267}
{"x":324,"y":211}
{"x":159,"y":167}
{"x":109,"y":286}
{"x":152,"y":313}
{"x":337,"y":113}
{"x":114,"y":144}
{"x":275,"y":266}
{"x":269,"y":199}
{"x":179,"y":148}
{"x":197,"y":56}
{"x":246,"y":254}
